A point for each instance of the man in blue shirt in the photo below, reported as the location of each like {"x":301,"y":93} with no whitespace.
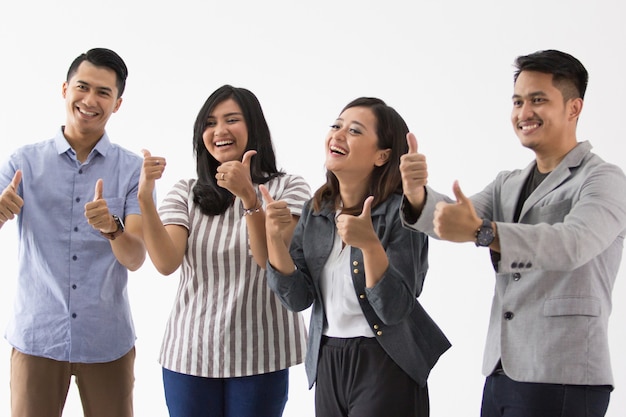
{"x":80,"y":231}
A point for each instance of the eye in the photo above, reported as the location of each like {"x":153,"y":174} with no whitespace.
{"x":539,"y":100}
{"x":210,"y":123}
{"x":354,"y":131}
{"x":335,"y":126}
{"x":232,"y":120}
{"x":517,"y":103}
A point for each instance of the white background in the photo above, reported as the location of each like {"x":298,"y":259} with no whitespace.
{"x":446,"y":66}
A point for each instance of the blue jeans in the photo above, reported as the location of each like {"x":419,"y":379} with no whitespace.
{"x":263,"y":395}
{"x":503,"y":397}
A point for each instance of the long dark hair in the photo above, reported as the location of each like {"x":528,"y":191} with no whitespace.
{"x":385,"y":180}
{"x":211,"y":198}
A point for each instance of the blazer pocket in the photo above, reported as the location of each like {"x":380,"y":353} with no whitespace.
{"x":551,"y":213}
{"x":572,"y":306}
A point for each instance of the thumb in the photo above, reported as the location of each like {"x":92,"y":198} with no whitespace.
{"x":98,"y":191}
{"x":460,"y":197}
{"x":247,"y":157}
{"x":367,"y":207}
{"x":411,"y":140}
{"x":146,"y":153}
{"x":265,"y":193}
{"x":17,"y":178}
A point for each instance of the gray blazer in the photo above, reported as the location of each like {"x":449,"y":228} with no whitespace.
{"x":552,"y":300}
{"x":402,"y":327}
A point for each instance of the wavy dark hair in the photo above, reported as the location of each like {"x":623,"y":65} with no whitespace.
{"x":211,"y":198}
{"x":106,"y":58}
{"x":385,"y":180}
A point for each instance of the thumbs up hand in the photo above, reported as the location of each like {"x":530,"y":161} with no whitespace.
{"x":277,"y":215}
{"x":151,"y":170}
{"x":97,"y":211}
{"x":235,"y":177}
{"x":10,"y":202}
{"x":414,"y":172}
{"x":456,"y":222}
{"x":358,"y":231}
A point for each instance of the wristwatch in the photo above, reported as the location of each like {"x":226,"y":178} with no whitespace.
{"x":485,"y":234}
{"x":118,"y":231}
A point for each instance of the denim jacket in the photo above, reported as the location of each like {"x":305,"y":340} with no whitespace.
{"x":402,"y":327}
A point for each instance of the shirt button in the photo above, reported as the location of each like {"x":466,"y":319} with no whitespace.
{"x":78,"y":199}
{"x":379,"y":333}
{"x":517,"y":276}
{"x":73,"y":286}
{"x":76,"y":229}
{"x":514,"y":265}
{"x":529,"y":265}
{"x":355,"y":263}
{"x":356,"y":271}
{"x":74,"y":257}
{"x":376,"y":327}
{"x":73,"y":315}
{"x":361,"y":296}
{"x":508,"y":315}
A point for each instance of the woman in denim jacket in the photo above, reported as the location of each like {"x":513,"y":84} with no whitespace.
{"x":371,"y":344}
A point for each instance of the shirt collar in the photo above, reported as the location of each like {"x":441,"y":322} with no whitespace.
{"x":62,"y":145}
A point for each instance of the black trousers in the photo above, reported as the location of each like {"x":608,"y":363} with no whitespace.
{"x":356,"y":378}
{"x":503,"y":397}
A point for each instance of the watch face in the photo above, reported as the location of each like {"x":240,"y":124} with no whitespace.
{"x":485,"y":236}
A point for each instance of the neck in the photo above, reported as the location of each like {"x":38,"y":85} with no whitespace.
{"x":548,"y":161}
{"x":82,"y":143}
{"x":352,"y":192}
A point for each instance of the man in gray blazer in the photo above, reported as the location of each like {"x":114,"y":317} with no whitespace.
{"x":555,"y":231}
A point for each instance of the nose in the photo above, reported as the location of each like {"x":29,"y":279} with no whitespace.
{"x":219,"y":129}
{"x":89,"y":99}
{"x":339,"y":133}
{"x":525,"y":111}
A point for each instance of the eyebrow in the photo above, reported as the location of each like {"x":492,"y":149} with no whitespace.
{"x":355,"y":122}
{"x":101,"y":88}
{"x":533,"y":94}
{"x":226,"y":115}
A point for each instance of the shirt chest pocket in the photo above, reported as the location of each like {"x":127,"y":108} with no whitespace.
{"x":115,"y":206}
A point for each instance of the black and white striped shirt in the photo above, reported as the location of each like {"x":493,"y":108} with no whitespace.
{"x":225,"y":321}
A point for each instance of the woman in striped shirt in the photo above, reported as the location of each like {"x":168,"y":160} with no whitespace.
{"x":229,"y":341}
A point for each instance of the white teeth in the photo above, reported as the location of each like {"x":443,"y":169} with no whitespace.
{"x":87,"y":113}
{"x":528,"y":127}
{"x":224,"y":142}
{"x":338,"y":150}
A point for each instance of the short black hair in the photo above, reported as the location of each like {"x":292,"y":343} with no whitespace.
{"x":568,"y":73}
{"x":102,"y":57}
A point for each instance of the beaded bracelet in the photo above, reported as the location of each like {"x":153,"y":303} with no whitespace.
{"x":249,"y":212}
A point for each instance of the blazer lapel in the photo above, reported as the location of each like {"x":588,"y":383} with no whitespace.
{"x":561,"y":173}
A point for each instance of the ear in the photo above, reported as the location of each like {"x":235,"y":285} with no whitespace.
{"x":117,"y":105}
{"x":575,"y":106}
{"x":383,"y":157}
{"x":64,"y":89}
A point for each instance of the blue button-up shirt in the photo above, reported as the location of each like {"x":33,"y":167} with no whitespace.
{"x":72,"y":301}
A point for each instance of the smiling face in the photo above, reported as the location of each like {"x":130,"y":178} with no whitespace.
{"x":352,"y":145}
{"x":226,"y":133}
{"x":541,"y":118}
{"x":90,"y":99}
